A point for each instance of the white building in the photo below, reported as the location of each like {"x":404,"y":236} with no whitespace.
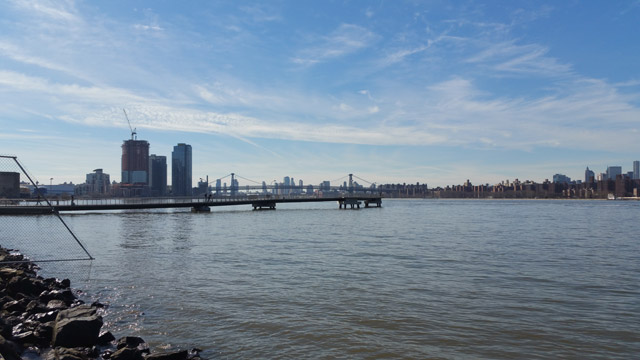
{"x":97,"y":183}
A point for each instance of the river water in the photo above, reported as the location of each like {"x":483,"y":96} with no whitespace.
{"x":451,"y":279}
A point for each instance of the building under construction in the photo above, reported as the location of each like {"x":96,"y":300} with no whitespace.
{"x":135,"y":168}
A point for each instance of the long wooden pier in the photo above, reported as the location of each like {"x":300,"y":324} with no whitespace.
{"x":344,"y":201}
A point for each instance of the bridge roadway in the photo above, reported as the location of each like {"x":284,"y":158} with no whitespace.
{"x":196,"y":204}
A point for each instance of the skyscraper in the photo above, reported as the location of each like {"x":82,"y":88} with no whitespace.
{"x":636,"y":169}
{"x":613,"y":171}
{"x":286,"y":185}
{"x":181,"y":170}
{"x":589,"y":176}
{"x":158,"y":175}
{"x":135,"y":162}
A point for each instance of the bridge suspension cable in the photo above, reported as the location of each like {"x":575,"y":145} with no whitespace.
{"x":368,"y":182}
{"x":244,"y":178}
{"x":338,"y":179}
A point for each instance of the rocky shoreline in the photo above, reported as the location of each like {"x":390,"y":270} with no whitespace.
{"x":43,"y":318}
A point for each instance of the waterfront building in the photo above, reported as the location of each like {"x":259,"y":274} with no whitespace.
{"x":158,"y":175}
{"x":97,"y":183}
{"x":218,"y":186}
{"x":636,"y":170}
{"x":589,"y":176}
{"x":613,"y":172}
{"x":286,"y":186}
{"x":181,"y":181}
{"x":9,"y":185}
{"x":235,"y":186}
{"x":135,"y":162}
{"x":560,"y":178}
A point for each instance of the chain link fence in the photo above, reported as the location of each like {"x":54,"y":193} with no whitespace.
{"x":29,"y":225}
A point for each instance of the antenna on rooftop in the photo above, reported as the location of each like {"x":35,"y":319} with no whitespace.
{"x":133,"y":130}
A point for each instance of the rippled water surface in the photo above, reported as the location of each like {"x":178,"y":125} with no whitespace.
{"x":414,"y":279}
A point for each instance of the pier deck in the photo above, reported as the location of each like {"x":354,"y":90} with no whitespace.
{"x":27,"y":208}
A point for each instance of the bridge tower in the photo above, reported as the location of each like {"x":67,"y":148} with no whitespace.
{"x":350,"y":183}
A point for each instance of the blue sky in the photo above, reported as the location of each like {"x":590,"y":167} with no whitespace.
{"x":433,"y":92}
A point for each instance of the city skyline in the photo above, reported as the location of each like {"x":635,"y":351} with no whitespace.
{"x":394,"y":92}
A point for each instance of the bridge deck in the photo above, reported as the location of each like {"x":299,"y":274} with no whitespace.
{"x":24,"y":208}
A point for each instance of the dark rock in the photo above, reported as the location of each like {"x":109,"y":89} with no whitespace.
{"x":34,"y":306}
{"x":14,"y":306}
{"x":126,"y":353}
{"x":107,"y":354}
{"x":62,"y":353}
{"x":56,"y":305}
{"x":9,"y":273}
{"x":78,"y":311}
{"x":93,"y":352}
{"x":44,"y":317}
{"x":25,"y":285}
{"x":177,"y":355}
{"x":5,"y":328}
{"x":65,"y":283}
{"x":44,"y":332}
{"x":129,"y":341}
{"x":9,"y":350}
{"x":96,"y":304}
{"x":26,"y":338}
{"x":65,"y":295}
{"x":76,"y":331}
{"x":77,"y":302}
{"x":106,"y":338}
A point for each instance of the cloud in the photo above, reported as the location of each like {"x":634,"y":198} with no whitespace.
{"x":260,"y":13}
{"x":147,"y":27}
{"x":400,"y":55}
{"x":345,"y":40}
{"x":531,"y":59}
{"x":55,"y":10}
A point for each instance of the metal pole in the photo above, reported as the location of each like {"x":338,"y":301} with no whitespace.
{"x":54,"y":210}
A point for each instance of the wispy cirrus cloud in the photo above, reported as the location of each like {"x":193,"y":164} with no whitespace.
{"x":530,"y":59}
{"x":345,"y":40}
{"x":56,"y":10}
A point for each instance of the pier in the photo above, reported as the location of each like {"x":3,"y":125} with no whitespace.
{"x":257,"y":202}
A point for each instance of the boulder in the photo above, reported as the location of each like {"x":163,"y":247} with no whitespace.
{"x":56,"y":305}
{"x":8,"y":349}
{"x":78,"y":311}
{"x":25,"y":285}
{"x":14,"y":306}
{"x":129,"y":341}
{"x":5,"y":328}
{"x":105,"y":338}
{"x":69,"y":354}
{"x":44,"y":317}
{"x":127,"y":353}
{"x":77,"y":327}
{"x":176,"y":355}
{"x":65,"y":295}
{"x":35,"y":307}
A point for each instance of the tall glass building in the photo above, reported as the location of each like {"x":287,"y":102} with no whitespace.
{"x":158,"y":175}
{"x":181,"y":183}
{"x":636,"y":169}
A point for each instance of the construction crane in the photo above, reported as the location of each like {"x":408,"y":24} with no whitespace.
{"x":133,"y":130}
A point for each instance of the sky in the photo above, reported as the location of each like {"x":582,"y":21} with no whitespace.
{"x":433,"y":92}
